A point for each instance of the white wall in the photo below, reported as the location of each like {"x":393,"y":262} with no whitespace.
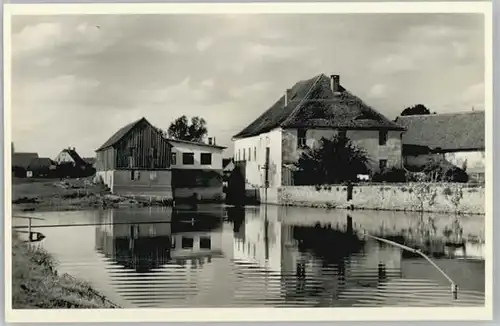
{"x":64,"y":157}
{"x":255,"y":176}
{"x":253,"y":248}
{"x":180,"y":148}
{"x":475,"y":160}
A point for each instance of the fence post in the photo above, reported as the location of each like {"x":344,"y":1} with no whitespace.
{"x":29,"y":229}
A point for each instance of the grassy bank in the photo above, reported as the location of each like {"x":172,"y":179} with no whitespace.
{"x":36,"y":283}
{"x":72,"y":194}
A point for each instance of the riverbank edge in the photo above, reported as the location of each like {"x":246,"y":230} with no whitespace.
{"x":354,"y":208}
{"x":37,"y":284}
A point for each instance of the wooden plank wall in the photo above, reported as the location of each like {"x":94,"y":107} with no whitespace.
{"x":150,"y":150}
{"x":105,"y":159}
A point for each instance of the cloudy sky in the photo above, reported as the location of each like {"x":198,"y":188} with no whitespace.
{"x":77,"y":79}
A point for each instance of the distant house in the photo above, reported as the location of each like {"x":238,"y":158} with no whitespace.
{"x":21,"y":162}
{"x":136,"y":161}
{"x":312,"y":109}
{"x":196,"y":170}
{"x":71,"y":164}
{"x":457,"y":138}
{"x":41,"y":167}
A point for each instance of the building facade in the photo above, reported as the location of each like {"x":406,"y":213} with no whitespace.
{"x":135,"y":161}
{"x":312,"y":109}
{"x":196,"y":170}
{"x":457,"y":138}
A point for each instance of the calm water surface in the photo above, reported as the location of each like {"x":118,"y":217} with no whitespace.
{"x":274,"y":256}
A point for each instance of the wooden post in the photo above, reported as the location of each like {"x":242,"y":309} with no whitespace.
{"x":29,"y":229}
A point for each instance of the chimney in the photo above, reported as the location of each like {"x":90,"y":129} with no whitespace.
{"x":335,"y":83}
{"x":287,"y":96}
{"x":214,"y":141}
{"x":209,"y":140}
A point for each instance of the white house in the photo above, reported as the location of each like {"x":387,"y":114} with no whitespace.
{"x":196,"y":170}
{"x":69,"y":155}
{"x":312,"y":109}
{"x":455,"y":137}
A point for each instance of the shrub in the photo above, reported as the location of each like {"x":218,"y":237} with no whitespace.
{"x":445,"y":172}
{"x":390,"y":175}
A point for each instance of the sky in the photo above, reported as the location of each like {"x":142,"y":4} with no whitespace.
{"x":76,"y":79}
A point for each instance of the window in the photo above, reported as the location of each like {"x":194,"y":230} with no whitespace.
{"x":382,"y":164}
{"x":137,"y":175}
{"x":301,"y":138}
{"x":205,"y":243}
{"x":244,"y":156}
{"x":342,"y":134}
{"x":132,"y":174}
{"x":255,"y":153}
{"x":206,"y":158}
{"x":249,"y":154}
{"x":382,"y":138}
{"x":187,"y":243}
{"x":188,"y":158}
{"x":238,"y":158}
{"x":174,"y":158}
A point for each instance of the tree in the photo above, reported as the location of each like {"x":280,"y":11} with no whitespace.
{"x":183,"y":130}
{"x":336,"y":160}
{"x":416,"y":109}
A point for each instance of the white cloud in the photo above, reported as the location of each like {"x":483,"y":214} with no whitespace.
{"x":36,"y":37}
{"x":249,"y":90}
{"x":204,"y":43}
{"x":44,"y":62}
{"x":62,"y":88}
{"x":279,"y":52}
{"x":208,"y":83}
{"x":167,"y":45}
{"x":393,"y":63}
{"x":378,"y":91}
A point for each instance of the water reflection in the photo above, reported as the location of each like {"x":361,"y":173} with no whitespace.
{"x":277,"y":256}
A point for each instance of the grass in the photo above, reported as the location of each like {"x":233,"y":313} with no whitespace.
{"x":36,"y":283}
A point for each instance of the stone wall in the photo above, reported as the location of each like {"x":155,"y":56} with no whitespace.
{"x":428,"y":197}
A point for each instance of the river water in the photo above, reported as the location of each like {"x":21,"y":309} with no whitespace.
{"x":215,"y":256}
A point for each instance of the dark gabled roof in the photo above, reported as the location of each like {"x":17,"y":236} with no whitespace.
{"x":117,"y":136}
{"x":313,"y":104}
{"x":446,"y":132}
{"x":89,"y":160}
{"x":23,"y":160}
{"x":171,"y":140}
{"x":40,"y":163}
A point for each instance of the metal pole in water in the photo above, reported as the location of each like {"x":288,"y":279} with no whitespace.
{"x":454,"y":286}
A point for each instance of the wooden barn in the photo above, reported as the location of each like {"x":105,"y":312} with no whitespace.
{"x":135,"y":161}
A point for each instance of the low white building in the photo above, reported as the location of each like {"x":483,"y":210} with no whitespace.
{"x":455,"y":137}
{"x":196,"y":170}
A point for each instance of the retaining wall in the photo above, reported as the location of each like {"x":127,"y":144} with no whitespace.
{"x":427,"y":197}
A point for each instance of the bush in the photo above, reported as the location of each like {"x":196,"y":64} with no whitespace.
{"x":445,"y":172}
{"x":390,"y":175}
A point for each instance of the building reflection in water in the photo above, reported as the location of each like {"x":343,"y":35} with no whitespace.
{"x":309,"y":259}
{"x":245,"y":256}
{"x":170,"y":246}
{"x":139,"y":242}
